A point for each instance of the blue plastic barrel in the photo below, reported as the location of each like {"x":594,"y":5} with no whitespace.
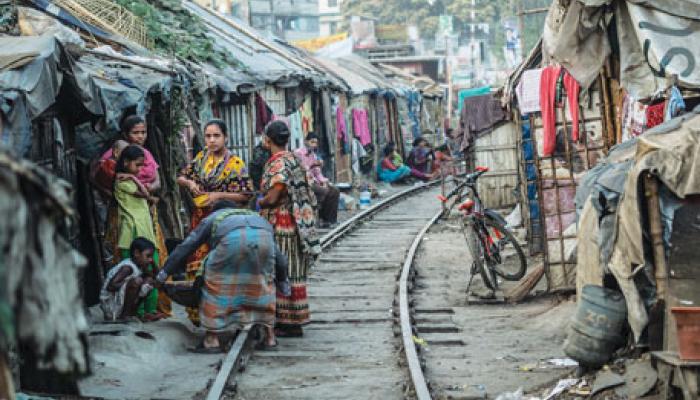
{"x":597,"y":329}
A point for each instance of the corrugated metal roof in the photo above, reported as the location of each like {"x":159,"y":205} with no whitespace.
{"x":357,"y":84}
{"x":258,"y":56}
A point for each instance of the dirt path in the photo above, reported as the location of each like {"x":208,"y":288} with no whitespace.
{"x":473,"y":351}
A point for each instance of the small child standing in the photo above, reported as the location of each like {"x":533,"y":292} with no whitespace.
{"x":128,"y":283}
{"x":134,"y":217}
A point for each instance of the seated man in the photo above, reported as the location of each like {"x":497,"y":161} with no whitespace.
{"x":326,"y":194}
{"x":128,"y":283}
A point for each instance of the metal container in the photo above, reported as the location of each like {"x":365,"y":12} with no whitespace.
{"x":596,"y":330}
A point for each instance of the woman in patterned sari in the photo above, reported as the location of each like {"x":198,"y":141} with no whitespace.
{"x":289,"y":205}
{"x":214,"y":174}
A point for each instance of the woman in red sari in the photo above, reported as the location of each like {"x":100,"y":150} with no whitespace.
{"x":134,"y":132}
{"x":214,"y":174}
{"x":288,"y":205}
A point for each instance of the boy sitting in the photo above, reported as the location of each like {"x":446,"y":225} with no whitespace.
{"x":128,"y":283}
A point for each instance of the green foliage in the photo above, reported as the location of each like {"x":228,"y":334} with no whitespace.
{"x":175,"y":31}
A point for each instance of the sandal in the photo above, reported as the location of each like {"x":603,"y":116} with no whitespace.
{"x":201,"y":349}
{"x":151,"y":317}
{"x":289,"y":333}
{"x":263,"y":346}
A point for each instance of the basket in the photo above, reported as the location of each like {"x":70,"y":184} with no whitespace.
{"x":186,"y":293}
{"x":109,"y":16}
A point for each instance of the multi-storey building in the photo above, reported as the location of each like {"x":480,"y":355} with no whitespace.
{"x":330,"y":17}
{"x":237,"y":8}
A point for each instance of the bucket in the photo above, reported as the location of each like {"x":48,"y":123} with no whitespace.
{"x":365,"y":199}
{"x":596,"y":329}
{"x":688,"y":330}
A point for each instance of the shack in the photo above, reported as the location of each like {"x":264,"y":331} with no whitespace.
{"x":607,"y":158}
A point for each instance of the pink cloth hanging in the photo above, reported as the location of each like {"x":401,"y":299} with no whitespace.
{"x":340,"y":124}
{"x":360,"y":125}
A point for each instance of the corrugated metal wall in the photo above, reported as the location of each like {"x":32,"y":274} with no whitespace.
{"x":240,"y":129}
{"x":497,"y":150}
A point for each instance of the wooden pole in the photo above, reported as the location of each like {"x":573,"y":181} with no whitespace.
{"x":7,"y":390}
{"x":660,"y":337}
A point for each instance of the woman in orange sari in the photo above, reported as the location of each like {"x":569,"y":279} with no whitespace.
{"x":214,"y":174}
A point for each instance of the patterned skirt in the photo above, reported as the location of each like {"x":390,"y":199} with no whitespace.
{"x":239,"y":281}
{"x":194,"y":262}
{"x":292,"y":310}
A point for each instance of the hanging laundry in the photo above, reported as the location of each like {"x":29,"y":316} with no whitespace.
{"x":307,"y":116}
{"x":341,"y":128}
{"x":655,"y":114}
{"x":528,"y":91}
{"x":360,"y":125}
{"x":357,"y":153}
{"x":479,"y":115}
{"x":626,"y":111}
{"x":548,"y":95}
{"x":675,"y":104}
{"x":263,"y":114}
{"x":572,"y":91}
{"x":295,"y":129}
{"x":639,"y":119}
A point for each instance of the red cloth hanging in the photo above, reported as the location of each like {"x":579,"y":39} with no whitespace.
{"x":548,"y":88}
{"x":572,"y":90}
{"x":655,"y":114}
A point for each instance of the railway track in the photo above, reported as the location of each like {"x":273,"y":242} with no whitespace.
{"x":360,"y":343}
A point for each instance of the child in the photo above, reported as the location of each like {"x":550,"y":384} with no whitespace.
{"x":104,"y":172}
{"x":134,"y":216}
{"x":443,"y":159}
{"x":128,"y":283}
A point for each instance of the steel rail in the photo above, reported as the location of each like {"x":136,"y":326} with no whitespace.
{"x":418,"y":381}
{"x":244,"y":341}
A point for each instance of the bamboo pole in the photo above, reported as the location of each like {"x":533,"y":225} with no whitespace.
{"x":662,"y":330}
{"x":7,"y":390}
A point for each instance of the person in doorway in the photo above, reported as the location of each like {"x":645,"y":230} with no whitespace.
{"x":214,"y":174}
{"x":134,"y":132}
{"x":128,"y":283}
{"x":239,"y":273}
{"x":327,"y":195}
{"x":392,"y":169}
{"x":135,"y":218}
{"x":288,"y":204}
{"x":419,"y":159}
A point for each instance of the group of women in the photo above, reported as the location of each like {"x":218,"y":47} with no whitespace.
{"x":423,"y":163}
{"x":285,"y":200}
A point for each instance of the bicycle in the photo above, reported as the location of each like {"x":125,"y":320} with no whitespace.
{"x":494,"y":249}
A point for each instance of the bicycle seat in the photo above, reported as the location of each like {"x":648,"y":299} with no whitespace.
{"x":467,"y":205}
{"x":471,"y":178}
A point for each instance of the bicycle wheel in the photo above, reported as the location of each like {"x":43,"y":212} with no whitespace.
{"x":509,"y":260}
{"x":476,"y":249}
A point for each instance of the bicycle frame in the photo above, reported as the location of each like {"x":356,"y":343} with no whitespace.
{"x":477,"y":213}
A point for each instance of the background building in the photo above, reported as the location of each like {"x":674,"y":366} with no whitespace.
{"x":330,"y":16}
{"x":237,"y":8}
{"x":288,"y":19}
